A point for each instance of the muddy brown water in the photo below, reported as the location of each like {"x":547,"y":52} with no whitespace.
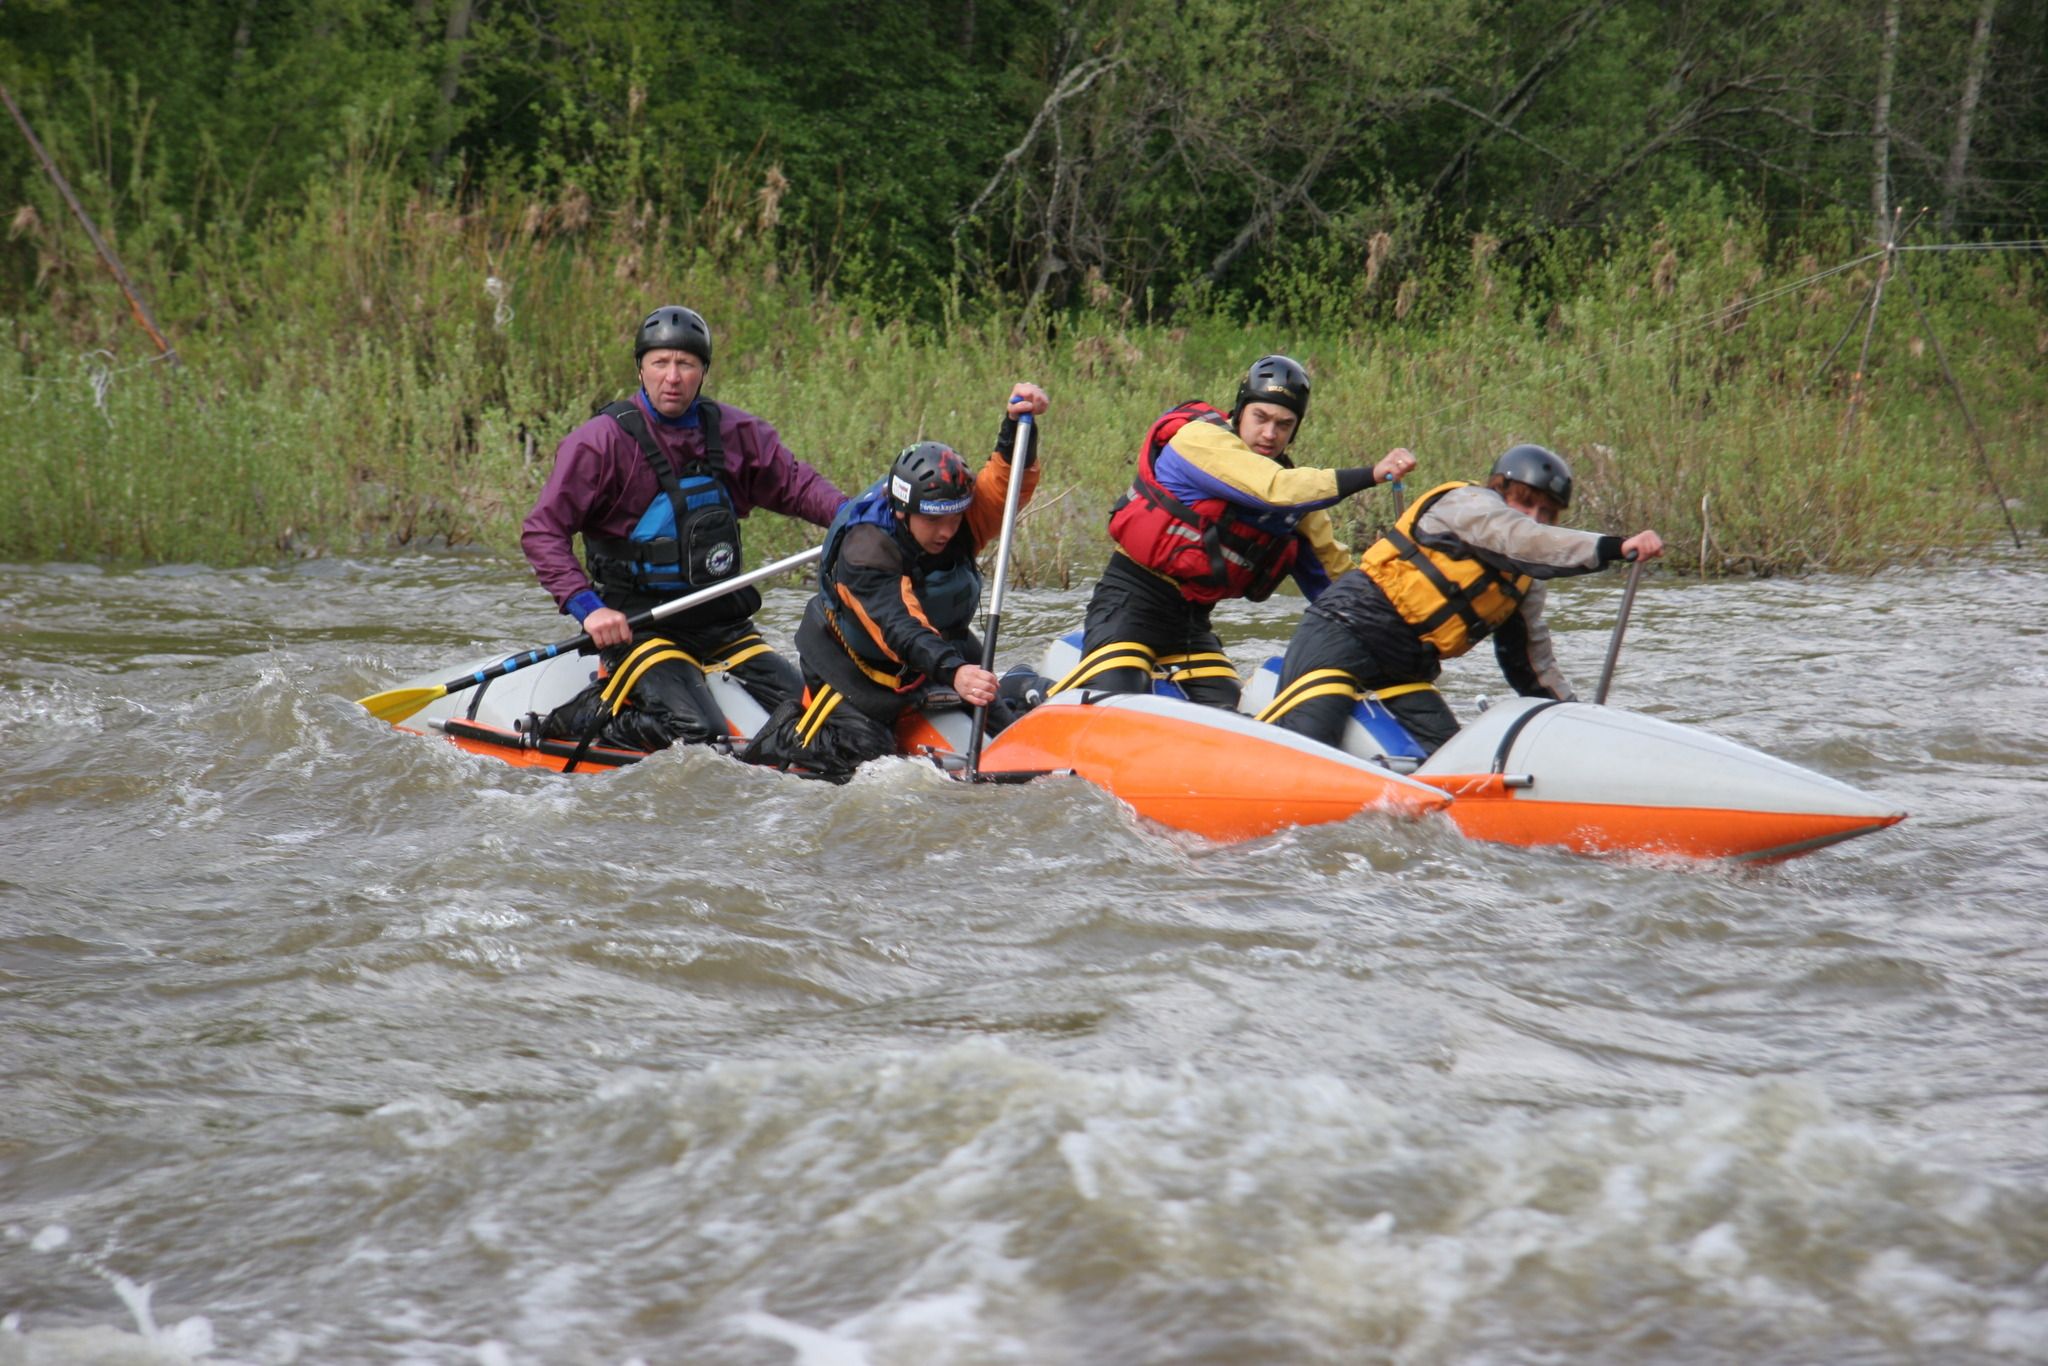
{"x":320,"y":1043}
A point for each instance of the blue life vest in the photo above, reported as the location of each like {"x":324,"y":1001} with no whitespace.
{"x":949,"y":591}
{"x":689,"y":536}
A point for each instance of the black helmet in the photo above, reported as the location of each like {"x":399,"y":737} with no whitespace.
{"x":1275,"y":379}
{"x":674,"y":328}
{"x":930,"y":478}
{"x":1542,"y":470}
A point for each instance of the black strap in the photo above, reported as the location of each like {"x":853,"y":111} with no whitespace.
{"x":628,"y":415}
{"x":595,"y":727}
{"x":714,"y":440}
{"x":1457,"y":601}
{"x":1514,"y":732}
{"x":1261,"y":553}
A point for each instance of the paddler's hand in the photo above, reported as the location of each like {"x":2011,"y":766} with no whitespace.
{"x":1644,"y":545}
{"x":976,"y":685}
{"x":1025,"y":397}
{"x":607,"y":627}
{"x":1398,"y":463}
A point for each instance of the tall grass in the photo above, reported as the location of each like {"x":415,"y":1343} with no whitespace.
{"x":354,"y":382}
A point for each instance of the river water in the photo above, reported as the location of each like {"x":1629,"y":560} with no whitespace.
{"x":320,"y":1043}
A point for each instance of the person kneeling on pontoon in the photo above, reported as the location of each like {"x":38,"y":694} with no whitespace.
{"x":657,"y":485}
{"x":898,"y":587}
{"x":1467,"y":561}
{"x":1217,"y":510}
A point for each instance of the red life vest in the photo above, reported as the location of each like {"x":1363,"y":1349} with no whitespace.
{"x":1209,"y":548}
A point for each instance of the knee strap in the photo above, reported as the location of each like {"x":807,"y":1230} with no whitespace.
{"x":1200,"y":664}
{"x":819,"y":709}
{"x":1331,"y":683}
{"x":1314,"y":683}
{"x":1124,"y":654}
{"x":635,"y":665}
{"x":737,"y":652}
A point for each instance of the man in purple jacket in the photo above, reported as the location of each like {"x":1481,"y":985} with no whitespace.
{"x":656,"y":485}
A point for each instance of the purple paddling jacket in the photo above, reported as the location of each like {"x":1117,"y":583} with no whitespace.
{"x":602,"y":483}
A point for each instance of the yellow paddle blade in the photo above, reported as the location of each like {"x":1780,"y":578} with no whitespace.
{"x":395,"y":704}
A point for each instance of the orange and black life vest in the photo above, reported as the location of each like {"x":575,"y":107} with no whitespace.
{"x":1451,"y":601}
{"x":1211,"y":548}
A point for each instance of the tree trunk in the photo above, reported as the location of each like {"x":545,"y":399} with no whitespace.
{"x":455,"y":37}
{"x":1966,"y":114}
{"x":243,"y":17}
{"x":1881,"y":126}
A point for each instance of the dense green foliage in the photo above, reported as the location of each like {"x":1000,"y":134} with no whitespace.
{"x":904,"y":150}
{"x":400,"y":243}
{"x":357,"y":386}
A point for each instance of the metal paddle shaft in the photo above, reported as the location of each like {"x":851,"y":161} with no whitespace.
{"x":399,"y":703}
{"x":1628,"y":600}
{"x":1011,"y":497}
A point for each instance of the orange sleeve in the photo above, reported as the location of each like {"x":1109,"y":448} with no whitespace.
{"x":991,"y":489}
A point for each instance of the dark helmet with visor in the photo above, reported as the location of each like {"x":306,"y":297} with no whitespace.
{"x":1278,"y":380}
{"x":1541,"y":469}
{"x":674,"y":328}
{"x":930,"y":478}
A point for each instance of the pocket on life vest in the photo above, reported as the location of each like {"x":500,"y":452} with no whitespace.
{"x":1167,"y":547}
{"x":710,"y":549}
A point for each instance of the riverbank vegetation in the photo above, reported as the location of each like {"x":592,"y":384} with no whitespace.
{"x":391,"y":296}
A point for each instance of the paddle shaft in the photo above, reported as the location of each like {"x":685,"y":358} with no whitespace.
{"x":636,"y":621}
{"x":1628,"y":600}
{"x":1011,"y":497}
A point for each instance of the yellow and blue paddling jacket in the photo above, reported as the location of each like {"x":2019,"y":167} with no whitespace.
{"x":1222,"y":521}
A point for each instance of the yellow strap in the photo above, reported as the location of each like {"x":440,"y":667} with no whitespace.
{"x":1324,"y":683}
{"x":1124,"y":654}
{"x":615,"y":682}
{"x":813,"y":720}
{"x":1277,"y":709}
{"x":1317,"y":683}
{"x":734,"y":657}
{"x":1205,"y":664}
{"x":637,"y":662}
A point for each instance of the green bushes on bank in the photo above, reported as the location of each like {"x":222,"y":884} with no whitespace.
{"x":380,"y":370}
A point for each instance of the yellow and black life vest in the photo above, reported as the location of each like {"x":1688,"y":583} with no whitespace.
{"x":1452,"y":601}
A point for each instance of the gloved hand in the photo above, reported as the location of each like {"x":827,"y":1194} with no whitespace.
{"x":1006,"y":442}
{"x":1025,"y":397}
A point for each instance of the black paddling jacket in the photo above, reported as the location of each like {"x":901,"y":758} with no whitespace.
{"x":900,"y":614}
